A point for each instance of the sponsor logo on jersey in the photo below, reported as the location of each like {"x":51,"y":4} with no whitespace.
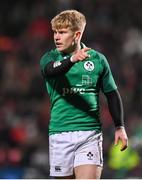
{"x":56,"y":64}
{"x":86,"y":80}
{"x":89,"y":65}
{"x":73,"y":90}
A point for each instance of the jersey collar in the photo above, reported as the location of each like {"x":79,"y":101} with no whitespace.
{"x":68,"y":55}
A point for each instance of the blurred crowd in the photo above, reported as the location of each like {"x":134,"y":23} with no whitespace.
{"x":114,"y":28}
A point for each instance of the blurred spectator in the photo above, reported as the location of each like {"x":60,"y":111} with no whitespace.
{"x":114,"y":27}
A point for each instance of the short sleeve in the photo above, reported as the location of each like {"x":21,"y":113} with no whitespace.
{"x":108,"y":83}
{"x":46,"y":58}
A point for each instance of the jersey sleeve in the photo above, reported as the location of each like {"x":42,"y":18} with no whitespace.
{"x":50,"y":67}
{"x":108,"y":83}
{"x":46,"y":58}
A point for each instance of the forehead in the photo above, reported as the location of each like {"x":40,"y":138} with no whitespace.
{"x":62,"y":29}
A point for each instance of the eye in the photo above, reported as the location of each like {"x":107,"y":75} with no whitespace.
{"x":62,"y":32}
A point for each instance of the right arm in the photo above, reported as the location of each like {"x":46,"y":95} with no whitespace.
{"x":57,"y":68}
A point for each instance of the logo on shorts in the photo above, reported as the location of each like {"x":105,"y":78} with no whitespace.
{"x":90,"y":156}
{"x":57,"y":168}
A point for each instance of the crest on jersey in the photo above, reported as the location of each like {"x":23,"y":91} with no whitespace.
{"x":89,"y":65}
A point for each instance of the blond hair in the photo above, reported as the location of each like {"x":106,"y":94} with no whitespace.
{"x":72,"y":19}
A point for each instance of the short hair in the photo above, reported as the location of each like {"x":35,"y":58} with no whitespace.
{"x":72,"y":19}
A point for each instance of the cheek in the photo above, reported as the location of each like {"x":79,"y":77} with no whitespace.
{"x":70,"y":40}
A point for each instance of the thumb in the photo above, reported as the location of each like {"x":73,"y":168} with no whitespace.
{"x":116,"y":141}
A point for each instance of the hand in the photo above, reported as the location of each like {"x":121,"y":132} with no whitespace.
{"x":120,"y":134}
{"x":80,"y":55}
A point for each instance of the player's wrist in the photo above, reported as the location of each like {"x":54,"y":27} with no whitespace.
{"x":119,"y":127}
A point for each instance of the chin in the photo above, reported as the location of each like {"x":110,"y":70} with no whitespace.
{"x":61,"y":49}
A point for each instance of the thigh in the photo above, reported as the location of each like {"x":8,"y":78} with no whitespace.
{"x":88,"y":158}
{"x":88,"y":171}
{"x":61,"y":153}
{"x":64,"y":177}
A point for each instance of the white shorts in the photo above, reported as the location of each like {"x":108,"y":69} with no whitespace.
{"x":70,"y":149}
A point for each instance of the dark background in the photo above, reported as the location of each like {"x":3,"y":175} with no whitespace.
{"x":114,"y":27}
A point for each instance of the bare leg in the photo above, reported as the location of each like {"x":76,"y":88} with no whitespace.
{"x":88,"y":171}
{"x":65,"y":177}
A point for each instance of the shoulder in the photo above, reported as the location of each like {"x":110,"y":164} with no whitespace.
{"x":100,"y":58}
{"x":97,"y":55}
{"x":47,"y":57}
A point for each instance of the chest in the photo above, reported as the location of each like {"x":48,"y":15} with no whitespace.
{"x":85,"y":73}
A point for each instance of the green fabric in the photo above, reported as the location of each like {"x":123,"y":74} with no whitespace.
{"x":75,"y":96}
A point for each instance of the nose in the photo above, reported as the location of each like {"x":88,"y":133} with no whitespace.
{"x":57,"y":36}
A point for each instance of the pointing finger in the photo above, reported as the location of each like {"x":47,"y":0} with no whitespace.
{"x":86,"y":49}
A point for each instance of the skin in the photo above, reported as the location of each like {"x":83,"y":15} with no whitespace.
{"x":67,"y":41}
{"x":120,"y":134}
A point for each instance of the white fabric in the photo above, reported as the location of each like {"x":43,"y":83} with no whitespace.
{"x":71,"y":149}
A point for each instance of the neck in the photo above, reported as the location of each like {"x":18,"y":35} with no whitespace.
{"x":78,"y":47}
{"x":73,"y":49}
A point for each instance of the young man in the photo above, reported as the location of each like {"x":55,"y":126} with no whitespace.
{"x":74,"y":75}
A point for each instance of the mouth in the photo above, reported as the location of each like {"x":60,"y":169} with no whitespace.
{"x":58,"y":44}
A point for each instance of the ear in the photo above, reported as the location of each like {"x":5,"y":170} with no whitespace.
{"x":77,"y":35}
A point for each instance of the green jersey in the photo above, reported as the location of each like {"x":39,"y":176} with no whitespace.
{"x":74,"y":96}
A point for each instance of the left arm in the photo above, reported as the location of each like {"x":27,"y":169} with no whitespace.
{"x":116,"y":110}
